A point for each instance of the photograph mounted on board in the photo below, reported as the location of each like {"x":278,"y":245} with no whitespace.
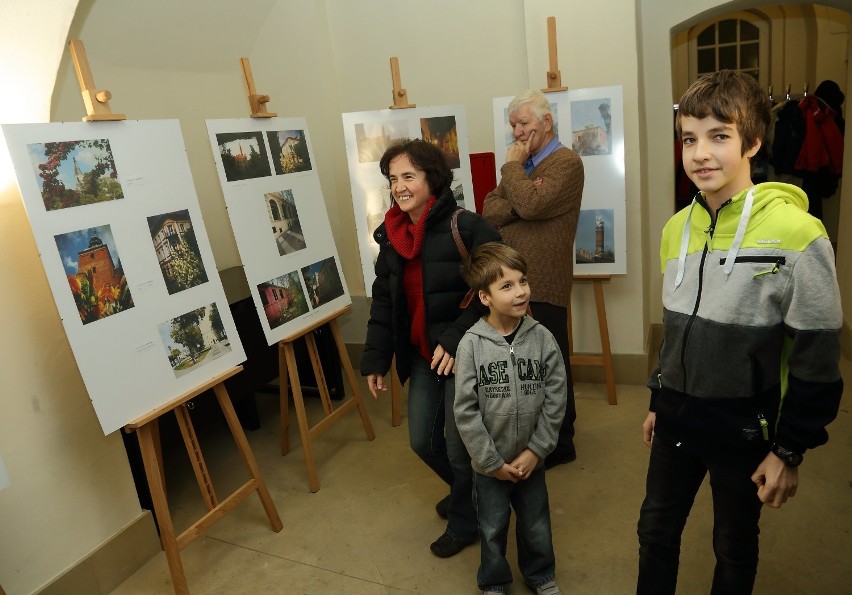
{"x":177,"y":250}
{"x":594,"y":239}
{"x":592,"y":123}
{"x":195,"y":338}
{"x":322,"y":281}
{"x":441,"y":131}
{"x":289,"y":151}
{"x":75,"y":173}
{"x":286,"y":226}
{"x":94,"y":271}
{"x":373,"y":138}
{"x":283,"y":299}
{"x":243,"y":155}
{"x":376,"y":204}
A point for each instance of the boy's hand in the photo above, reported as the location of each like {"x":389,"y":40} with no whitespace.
{"x":775,"y":481}
{"x":507,"y":473}
{"x":525,"y":463}
{"x":376,"y":382}
{"x":442,"y":361}
{"x":648,"y":428}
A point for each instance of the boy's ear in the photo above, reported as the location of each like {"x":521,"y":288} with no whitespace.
{"x":483,"y":297}
{"x":753,"y":151}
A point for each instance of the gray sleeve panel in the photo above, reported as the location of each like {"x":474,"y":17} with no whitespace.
{"x":813,"y":299}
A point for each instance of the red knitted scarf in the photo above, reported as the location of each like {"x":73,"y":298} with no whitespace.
{"x":407,"y":239}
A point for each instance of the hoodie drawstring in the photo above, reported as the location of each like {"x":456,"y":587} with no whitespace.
{"x":735,"y":246}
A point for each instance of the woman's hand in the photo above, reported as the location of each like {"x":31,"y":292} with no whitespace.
{"x":442,"y":362}
{"x":376,"y":382}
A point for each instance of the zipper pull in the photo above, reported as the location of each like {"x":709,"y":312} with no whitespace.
{"x":512,"y":354}
{"x":764,"y":426}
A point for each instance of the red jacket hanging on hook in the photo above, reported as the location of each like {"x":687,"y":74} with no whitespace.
{"x":823,"y":143}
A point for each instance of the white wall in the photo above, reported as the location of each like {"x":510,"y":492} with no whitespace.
{"x":71,"y":488}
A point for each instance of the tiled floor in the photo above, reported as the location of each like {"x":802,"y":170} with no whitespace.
{"x":367,"y":530}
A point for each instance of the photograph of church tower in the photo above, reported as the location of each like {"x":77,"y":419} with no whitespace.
{"x":95,"y":275}
{"x":75,"y":173}
{"x":243,"y":155}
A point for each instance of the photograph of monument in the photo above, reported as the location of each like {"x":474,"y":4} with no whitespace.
{"x":94,"y":271}
{"x":441,"y":131}
{"x":373,"y":138}
{"x":243,"y":155}
{"x":75,"y":173}
{"x":592,"y":123}
{"x":594,"y":239}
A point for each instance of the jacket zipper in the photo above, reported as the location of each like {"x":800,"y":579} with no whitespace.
{"x":515,"y":392}
{"x":688,"y":329}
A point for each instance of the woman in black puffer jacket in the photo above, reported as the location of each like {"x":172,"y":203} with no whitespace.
{"x":416,"y":316}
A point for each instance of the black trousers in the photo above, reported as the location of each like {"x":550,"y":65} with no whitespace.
{"x":555,"y":319}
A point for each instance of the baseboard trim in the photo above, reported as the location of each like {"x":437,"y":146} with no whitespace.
{"x":104,"y":569}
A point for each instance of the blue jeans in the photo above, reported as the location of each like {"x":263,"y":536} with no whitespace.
{"x":493,"y":498}
{"x":674,"y":476}
{"x":434,"y":437}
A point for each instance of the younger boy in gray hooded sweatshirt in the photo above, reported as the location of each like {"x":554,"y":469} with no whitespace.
{"x":510,"y":401}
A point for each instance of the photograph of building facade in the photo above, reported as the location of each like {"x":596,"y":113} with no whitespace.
{"x":323,"y":282}
{"x":177,"y":251}
{"x":289,"y":151}
{"x":286,"y":227}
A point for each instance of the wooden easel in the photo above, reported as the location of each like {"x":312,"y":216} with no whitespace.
{"x":605,"y":358}
{"x":554,"y":77}
{"x":147,"y":432}
{"x":96,"y":100}
{"x":400,"y":95}
{"x":257,"y":102}
{"x":147,"y":426}
{"x":289,"y":377}
{"x":400,"y":101}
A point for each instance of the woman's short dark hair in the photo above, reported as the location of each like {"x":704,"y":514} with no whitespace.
{"x":425,"y":157}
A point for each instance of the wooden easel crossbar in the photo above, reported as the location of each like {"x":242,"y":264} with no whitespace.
{"x":289,"y":379}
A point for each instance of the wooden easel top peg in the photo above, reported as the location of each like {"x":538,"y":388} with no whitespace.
{"x":96,"y":100}
{"x":400,"y":95}
{"x":554,"y":77}
{"x":257,"y":102}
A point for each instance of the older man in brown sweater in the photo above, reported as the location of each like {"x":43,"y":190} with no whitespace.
{"x":536,"y":207}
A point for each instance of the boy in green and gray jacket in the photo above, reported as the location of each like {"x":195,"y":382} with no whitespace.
{"x":748,"y":377}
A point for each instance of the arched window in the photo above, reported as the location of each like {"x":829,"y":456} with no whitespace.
{"x":737,"y":41}
{"x":273,"y":207}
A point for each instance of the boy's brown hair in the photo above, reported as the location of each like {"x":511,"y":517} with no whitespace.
{"x":731,"y":97}
{"x":486,"y":262}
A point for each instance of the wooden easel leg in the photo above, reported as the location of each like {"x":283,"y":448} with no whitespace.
{"x":396,"y":396}
{"x":161,"y":506}
{"x":248,"y":456}
{"x":284,"y":399}
{"x":605,"y":348}
{"x":353,"y":380}
{"x":190,"y":439}
{"x":301,"y":416}
{"x":316,"y":364}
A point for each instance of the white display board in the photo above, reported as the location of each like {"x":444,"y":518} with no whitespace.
{"x":368,"y":134}
{"x":271,"y":185}
{"x":4,"y":476}
{"x":590,"y":121}
{"x":118,"y":228}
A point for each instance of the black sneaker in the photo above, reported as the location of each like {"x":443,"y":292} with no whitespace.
{"x":442,"y":507}
{"x":447,"y":546}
